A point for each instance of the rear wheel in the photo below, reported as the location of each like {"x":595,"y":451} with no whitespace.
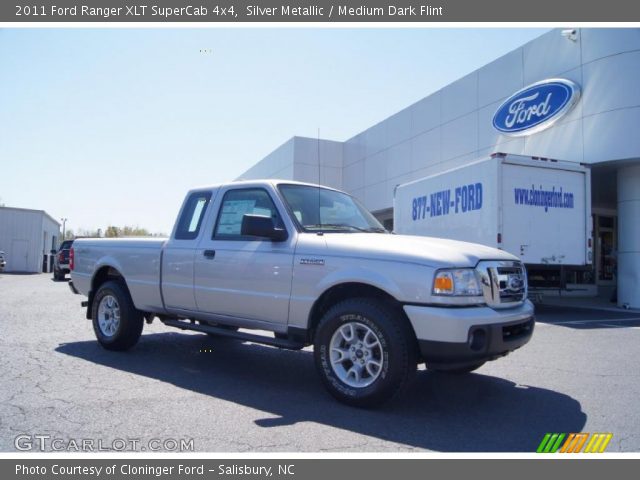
{"x":365,"y":353}
{"x":116,"y":322}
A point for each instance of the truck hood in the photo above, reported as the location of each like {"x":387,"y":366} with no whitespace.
{"x":431,"y":251}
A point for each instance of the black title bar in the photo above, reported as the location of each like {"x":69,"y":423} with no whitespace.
{"x":319,"y":11}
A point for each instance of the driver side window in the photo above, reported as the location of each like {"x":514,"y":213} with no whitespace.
{"x":239,"y":202}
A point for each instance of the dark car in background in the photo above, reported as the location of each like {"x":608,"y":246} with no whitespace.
{"x":3,"y":261}
{"x":61,"y":262}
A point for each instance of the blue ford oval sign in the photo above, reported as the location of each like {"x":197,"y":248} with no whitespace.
{"x":536,"y":107}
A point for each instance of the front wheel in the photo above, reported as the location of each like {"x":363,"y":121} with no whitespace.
{"x":116,"y":322}
{"x":365,"y":352}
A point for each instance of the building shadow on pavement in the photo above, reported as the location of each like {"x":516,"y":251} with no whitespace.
{"x":438,"y":412}
{"x":586,"y":318}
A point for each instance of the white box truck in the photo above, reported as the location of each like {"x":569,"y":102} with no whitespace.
{"x":535,"y":208}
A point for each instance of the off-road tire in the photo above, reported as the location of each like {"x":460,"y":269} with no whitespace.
{"x":131,"y":321}
{"x":397,"y":341}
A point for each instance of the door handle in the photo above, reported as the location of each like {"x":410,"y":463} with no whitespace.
{"x":210,"y":254}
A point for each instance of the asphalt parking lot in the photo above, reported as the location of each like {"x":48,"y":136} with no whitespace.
{"x":580,"y":372}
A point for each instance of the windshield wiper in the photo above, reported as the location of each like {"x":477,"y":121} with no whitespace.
{"x":340,"y":226}
{"x":345,"y":226}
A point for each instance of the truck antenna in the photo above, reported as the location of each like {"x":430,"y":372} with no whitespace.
{"x":318,"y":155}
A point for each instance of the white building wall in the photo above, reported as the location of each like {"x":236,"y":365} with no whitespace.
{"x":21,"y":239}
{"x":629,"y":234}
{"x":278,"y":164}
{"x":51,"y":238}
{"x":298,"y":159}
{"x":453,"y":125}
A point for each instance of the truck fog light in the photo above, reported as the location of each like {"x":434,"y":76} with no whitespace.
{"x":477,"y":339}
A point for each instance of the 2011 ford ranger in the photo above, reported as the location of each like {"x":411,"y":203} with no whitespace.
{"x":311,"y":265}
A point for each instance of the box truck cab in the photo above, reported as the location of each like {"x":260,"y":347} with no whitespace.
{"x":535,"y":208}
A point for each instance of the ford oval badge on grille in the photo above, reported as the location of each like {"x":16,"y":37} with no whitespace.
{"x":515,"y":283}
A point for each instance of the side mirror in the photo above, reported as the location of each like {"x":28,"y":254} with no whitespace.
{"x":261,"y":226}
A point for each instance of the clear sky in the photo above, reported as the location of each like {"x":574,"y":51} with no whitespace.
{"x":112,"y":126}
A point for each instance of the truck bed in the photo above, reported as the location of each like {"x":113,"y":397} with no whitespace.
{"x":137,"y":259}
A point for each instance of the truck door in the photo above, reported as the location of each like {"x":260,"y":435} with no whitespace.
{"x":179,"y":252}
{"x":244,"y":277}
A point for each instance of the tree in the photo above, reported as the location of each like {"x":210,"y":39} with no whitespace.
{"x":128,"y":231}
{"x":84,"y":233}
{"x":112,"y":232}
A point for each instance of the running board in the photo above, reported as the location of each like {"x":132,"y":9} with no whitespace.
{"x":247,"y":337}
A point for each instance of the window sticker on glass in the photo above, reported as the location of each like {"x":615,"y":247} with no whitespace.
{"x":230,"y":221}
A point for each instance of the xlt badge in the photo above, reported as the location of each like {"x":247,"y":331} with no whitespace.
{"x":312,"y":261}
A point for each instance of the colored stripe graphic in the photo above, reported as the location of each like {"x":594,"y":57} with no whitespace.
{"x":592,"y":443}
{"x":578,"y":442}
{"x":567,"y":443}
{"x":551,"y":442}
{"x":544,"y":441}
{"x":598,"y":442}
{"x":606,"y":442}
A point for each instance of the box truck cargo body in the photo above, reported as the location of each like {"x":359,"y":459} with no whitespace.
{"x":537,"y":209}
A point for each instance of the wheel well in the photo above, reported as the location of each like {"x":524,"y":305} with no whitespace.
{"x":104,"y":274}
{"x":344,"y":291}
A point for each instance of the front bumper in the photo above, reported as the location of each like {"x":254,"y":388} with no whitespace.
{"x":473,"y":334}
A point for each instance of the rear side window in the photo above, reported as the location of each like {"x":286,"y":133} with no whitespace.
{"x":192,"y":215}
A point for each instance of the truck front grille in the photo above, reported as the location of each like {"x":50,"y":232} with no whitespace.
{"x":504,"y":283}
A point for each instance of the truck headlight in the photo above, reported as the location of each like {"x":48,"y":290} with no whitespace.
{"x":458,"y":282}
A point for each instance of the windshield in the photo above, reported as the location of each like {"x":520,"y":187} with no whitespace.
{"x":320,"y":209}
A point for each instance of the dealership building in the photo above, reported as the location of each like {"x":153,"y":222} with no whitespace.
{"x":598,"y":126}
{"x":27,"y":238}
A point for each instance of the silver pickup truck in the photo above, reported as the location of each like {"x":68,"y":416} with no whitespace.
{"x":293,"y":265}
